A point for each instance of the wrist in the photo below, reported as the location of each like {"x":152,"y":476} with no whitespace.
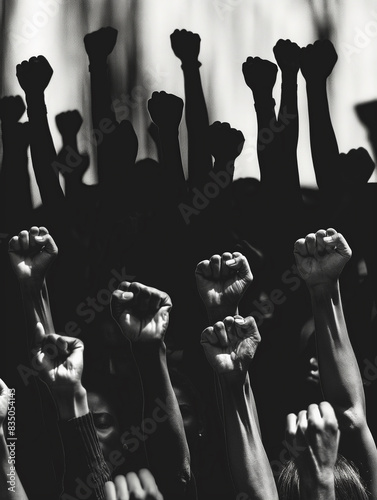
{"x":35,"y":101}
{"x":319,"y":487}
{"x":190,"y":64}
{"x":323,"y":287}
{"x":71,"y":401}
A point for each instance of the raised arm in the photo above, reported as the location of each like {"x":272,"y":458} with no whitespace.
{"x":34,"y":76}
{"x":10,"y":484}
{"x":166,"y":112}
{"x":142,"y":314}
{"x":316,"y":63}
{"x":320,"y":258}
{"x":230,"y":346}
{"x":186,"y":46}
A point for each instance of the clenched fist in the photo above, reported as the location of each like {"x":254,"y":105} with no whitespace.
{"x":99,"y":44}
{"x":142,"y":312}
{"x":34,"y":75}
{"x":287,"y":55}
{"x":185,"y":45}
{"x":165,"y":110}
{"x":31,"y":254}
{"x":320,"y":257}
{"x":317,"y":60}
{"x":225,"y":143}
{"x":259,"y":74}
{"x":69,"y":123}
{"x":11,"y":109}
{"x":230,"y":345}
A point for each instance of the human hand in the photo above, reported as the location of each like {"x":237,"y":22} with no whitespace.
{"x":34,"y":75}
{"x":356,"y":167}
{"x":31,"y":254}
{"x":140,"y":485}
{"x":320,"y":257}
{"x":99,"y":44}
{"x":165,"y":110}
{"x":317,"y":60}
{"x":222,"y":282}
{"x":230,"y":345}
{"x":259,"y":74}
{"x":225,"y":143}
{"x":142,"y":312}
{"x":11,"y":109}
{"x":315,"y":433}
{"x":185,"y":45}
{"x":69,"y":123}
{"x":287,"y":55}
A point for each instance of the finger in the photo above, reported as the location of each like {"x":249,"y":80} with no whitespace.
{"x":241,"y":264}
{"x":291,"y":428}
{"x":314,"y":417}
{"x":148,"y":482}
{"x":247,"y":328}
{"x":310,"y":244}
{"x":23,"y":239}
{"x":229,"y":322}
{"x":14,"y":245}
{"x":328,"y":413}
{"x":42,"y":231}
{"x":300,"y":248}
{"x":33,"y":232}
{"x":225,"y":269}
{"x":337,"y":240}
{"x":47,"y":243}
{"x":39,"y":333}
{"x":302,"y":422}
{"x":110,"y":493}
{"x":208,"y":336}
{"x":134,"y":485}
{"x":204,"y":269}
{"x":321,"y":245}
{"x":124,"y":286}
{"x":215,"y":263}
{"x":142,"y":301}
{"x":121,"y":488}
{"x":220,"y":331}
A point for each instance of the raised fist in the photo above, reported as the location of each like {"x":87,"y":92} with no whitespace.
{"x":230,"y":345}
{"x":31,"y":254}
{"x":315,"y":435}
{"x":69,"y":123}
{"x":356,"y":167}
{"x":99,"y":44}
{"x":11,"y":109}
{"x":222,"y":282}
{"x":225,"y":143}
{"x":142,"y":312}
{"x":320,"y":257}
{"x":185,"y":45}
{"x":287,"y":55}
{"x":59,"y":360}
{"x":133,"y":485}
{"x":34,"y":75}
{"x":259,"y":74}
{"x":165,"y":110}
{"x":317,"y":60}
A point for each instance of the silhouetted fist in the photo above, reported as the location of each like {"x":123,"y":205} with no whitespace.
{"x":165,"y":109}
{"x":225,"y":143}
{"x":317,"y":60}
{"x":11,"y":109}
{"x":34,"y":75}
{"x":320,"y":257}
{"x":142,"y":312}
{"x":356,"y":167}
{"x":259,"y":74}
{"x":185,"y":45}
{"x":230,"y":345}
{"x":69,"y":122}
{"x":287,"y":55}
{"x":99,"y":44}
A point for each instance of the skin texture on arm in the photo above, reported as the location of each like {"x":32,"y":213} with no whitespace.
{"x":315,"y":432}
{"x":186,"y":46}
{"x":320,"y":258}
{"x":142,"y":314}
{"x":229,"y":346}
{"x":8,"y":473}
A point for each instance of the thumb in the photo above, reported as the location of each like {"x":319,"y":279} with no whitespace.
{"x":39,"y":334}
{"x":337,"y":241}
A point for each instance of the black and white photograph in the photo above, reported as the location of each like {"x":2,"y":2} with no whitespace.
{"x":188,"y":245}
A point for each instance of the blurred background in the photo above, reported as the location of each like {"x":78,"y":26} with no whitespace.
{"x":230,"y":31}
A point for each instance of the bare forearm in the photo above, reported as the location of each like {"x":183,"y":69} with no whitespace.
{"x":10,"y":484}
{"x":248,"y":461}
{"x":37,"y":307}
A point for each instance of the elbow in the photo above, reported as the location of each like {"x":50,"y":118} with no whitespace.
{"x":352,"y":420}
